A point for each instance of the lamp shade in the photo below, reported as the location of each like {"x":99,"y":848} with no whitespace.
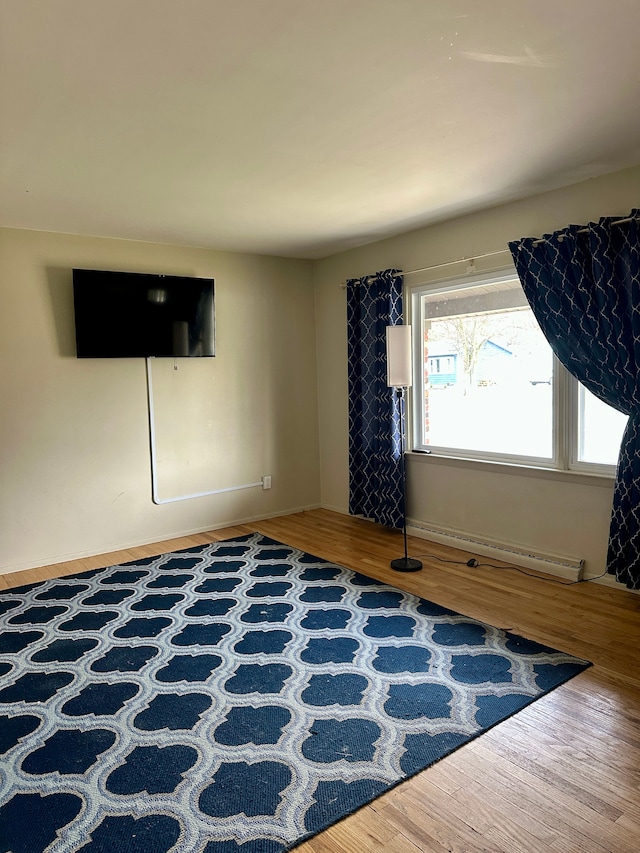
{"x":399,"y":374}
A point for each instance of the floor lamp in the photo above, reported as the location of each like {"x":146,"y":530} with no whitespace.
{"x":399,"y":376}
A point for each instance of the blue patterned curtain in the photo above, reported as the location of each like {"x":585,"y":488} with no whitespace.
{"x":375,"y":462}
{"x":583,"y":285}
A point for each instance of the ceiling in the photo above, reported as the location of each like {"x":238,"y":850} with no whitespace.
{"x":304,"y":127}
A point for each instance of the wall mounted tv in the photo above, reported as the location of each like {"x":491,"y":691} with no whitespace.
{"x":124,"y":315}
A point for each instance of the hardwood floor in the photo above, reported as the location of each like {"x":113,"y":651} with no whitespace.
{"x":563,"y":775}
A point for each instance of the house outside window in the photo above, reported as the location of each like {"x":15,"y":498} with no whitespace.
{"x":490,"y":388}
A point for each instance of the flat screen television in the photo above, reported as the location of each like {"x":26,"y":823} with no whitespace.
{"x":124,"y":315}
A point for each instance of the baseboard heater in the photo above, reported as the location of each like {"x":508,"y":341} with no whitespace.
{"x":568,"y":568}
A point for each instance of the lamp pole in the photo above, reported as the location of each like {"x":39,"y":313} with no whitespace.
{"x":406,"y":563}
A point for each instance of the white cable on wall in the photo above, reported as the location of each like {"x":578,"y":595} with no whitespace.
{"x":152,"y":447}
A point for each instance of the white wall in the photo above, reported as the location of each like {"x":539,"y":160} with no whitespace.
{"x":554,"y":513}
{"x":74,"y":447}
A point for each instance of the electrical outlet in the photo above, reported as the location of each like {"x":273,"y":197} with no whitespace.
{"x":266,"y":481}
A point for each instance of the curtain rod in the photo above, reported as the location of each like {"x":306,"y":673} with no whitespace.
{"x":585,"y":230}
{"x":471,"y":261}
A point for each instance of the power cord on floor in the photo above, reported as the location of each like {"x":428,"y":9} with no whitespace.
{"x":472,"y":563}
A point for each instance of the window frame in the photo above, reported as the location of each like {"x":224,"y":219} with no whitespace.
{"x":565,"y":402}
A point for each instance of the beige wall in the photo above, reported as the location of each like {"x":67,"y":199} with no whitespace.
{"x":557,"y":514}
{"x":74,"y":446}
{"x":74,"y":450}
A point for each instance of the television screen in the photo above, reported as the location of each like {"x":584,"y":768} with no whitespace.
{"x":123,"y":315}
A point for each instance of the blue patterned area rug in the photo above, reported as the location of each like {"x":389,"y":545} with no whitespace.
{"x":233,"y":698}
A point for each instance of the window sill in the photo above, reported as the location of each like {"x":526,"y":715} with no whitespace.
{"x":560,"y":475}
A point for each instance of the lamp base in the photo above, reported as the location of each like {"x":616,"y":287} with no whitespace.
{"x":406,"y":564}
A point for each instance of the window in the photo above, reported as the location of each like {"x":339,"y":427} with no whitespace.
{"x":599,"y":430}
{"x":488,"y":386}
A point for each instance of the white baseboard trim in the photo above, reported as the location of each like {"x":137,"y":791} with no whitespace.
{"x":339,"y":509}
{"x":610,"y":581}
{"x":110,"y":548}
{"x":568,"y":568}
